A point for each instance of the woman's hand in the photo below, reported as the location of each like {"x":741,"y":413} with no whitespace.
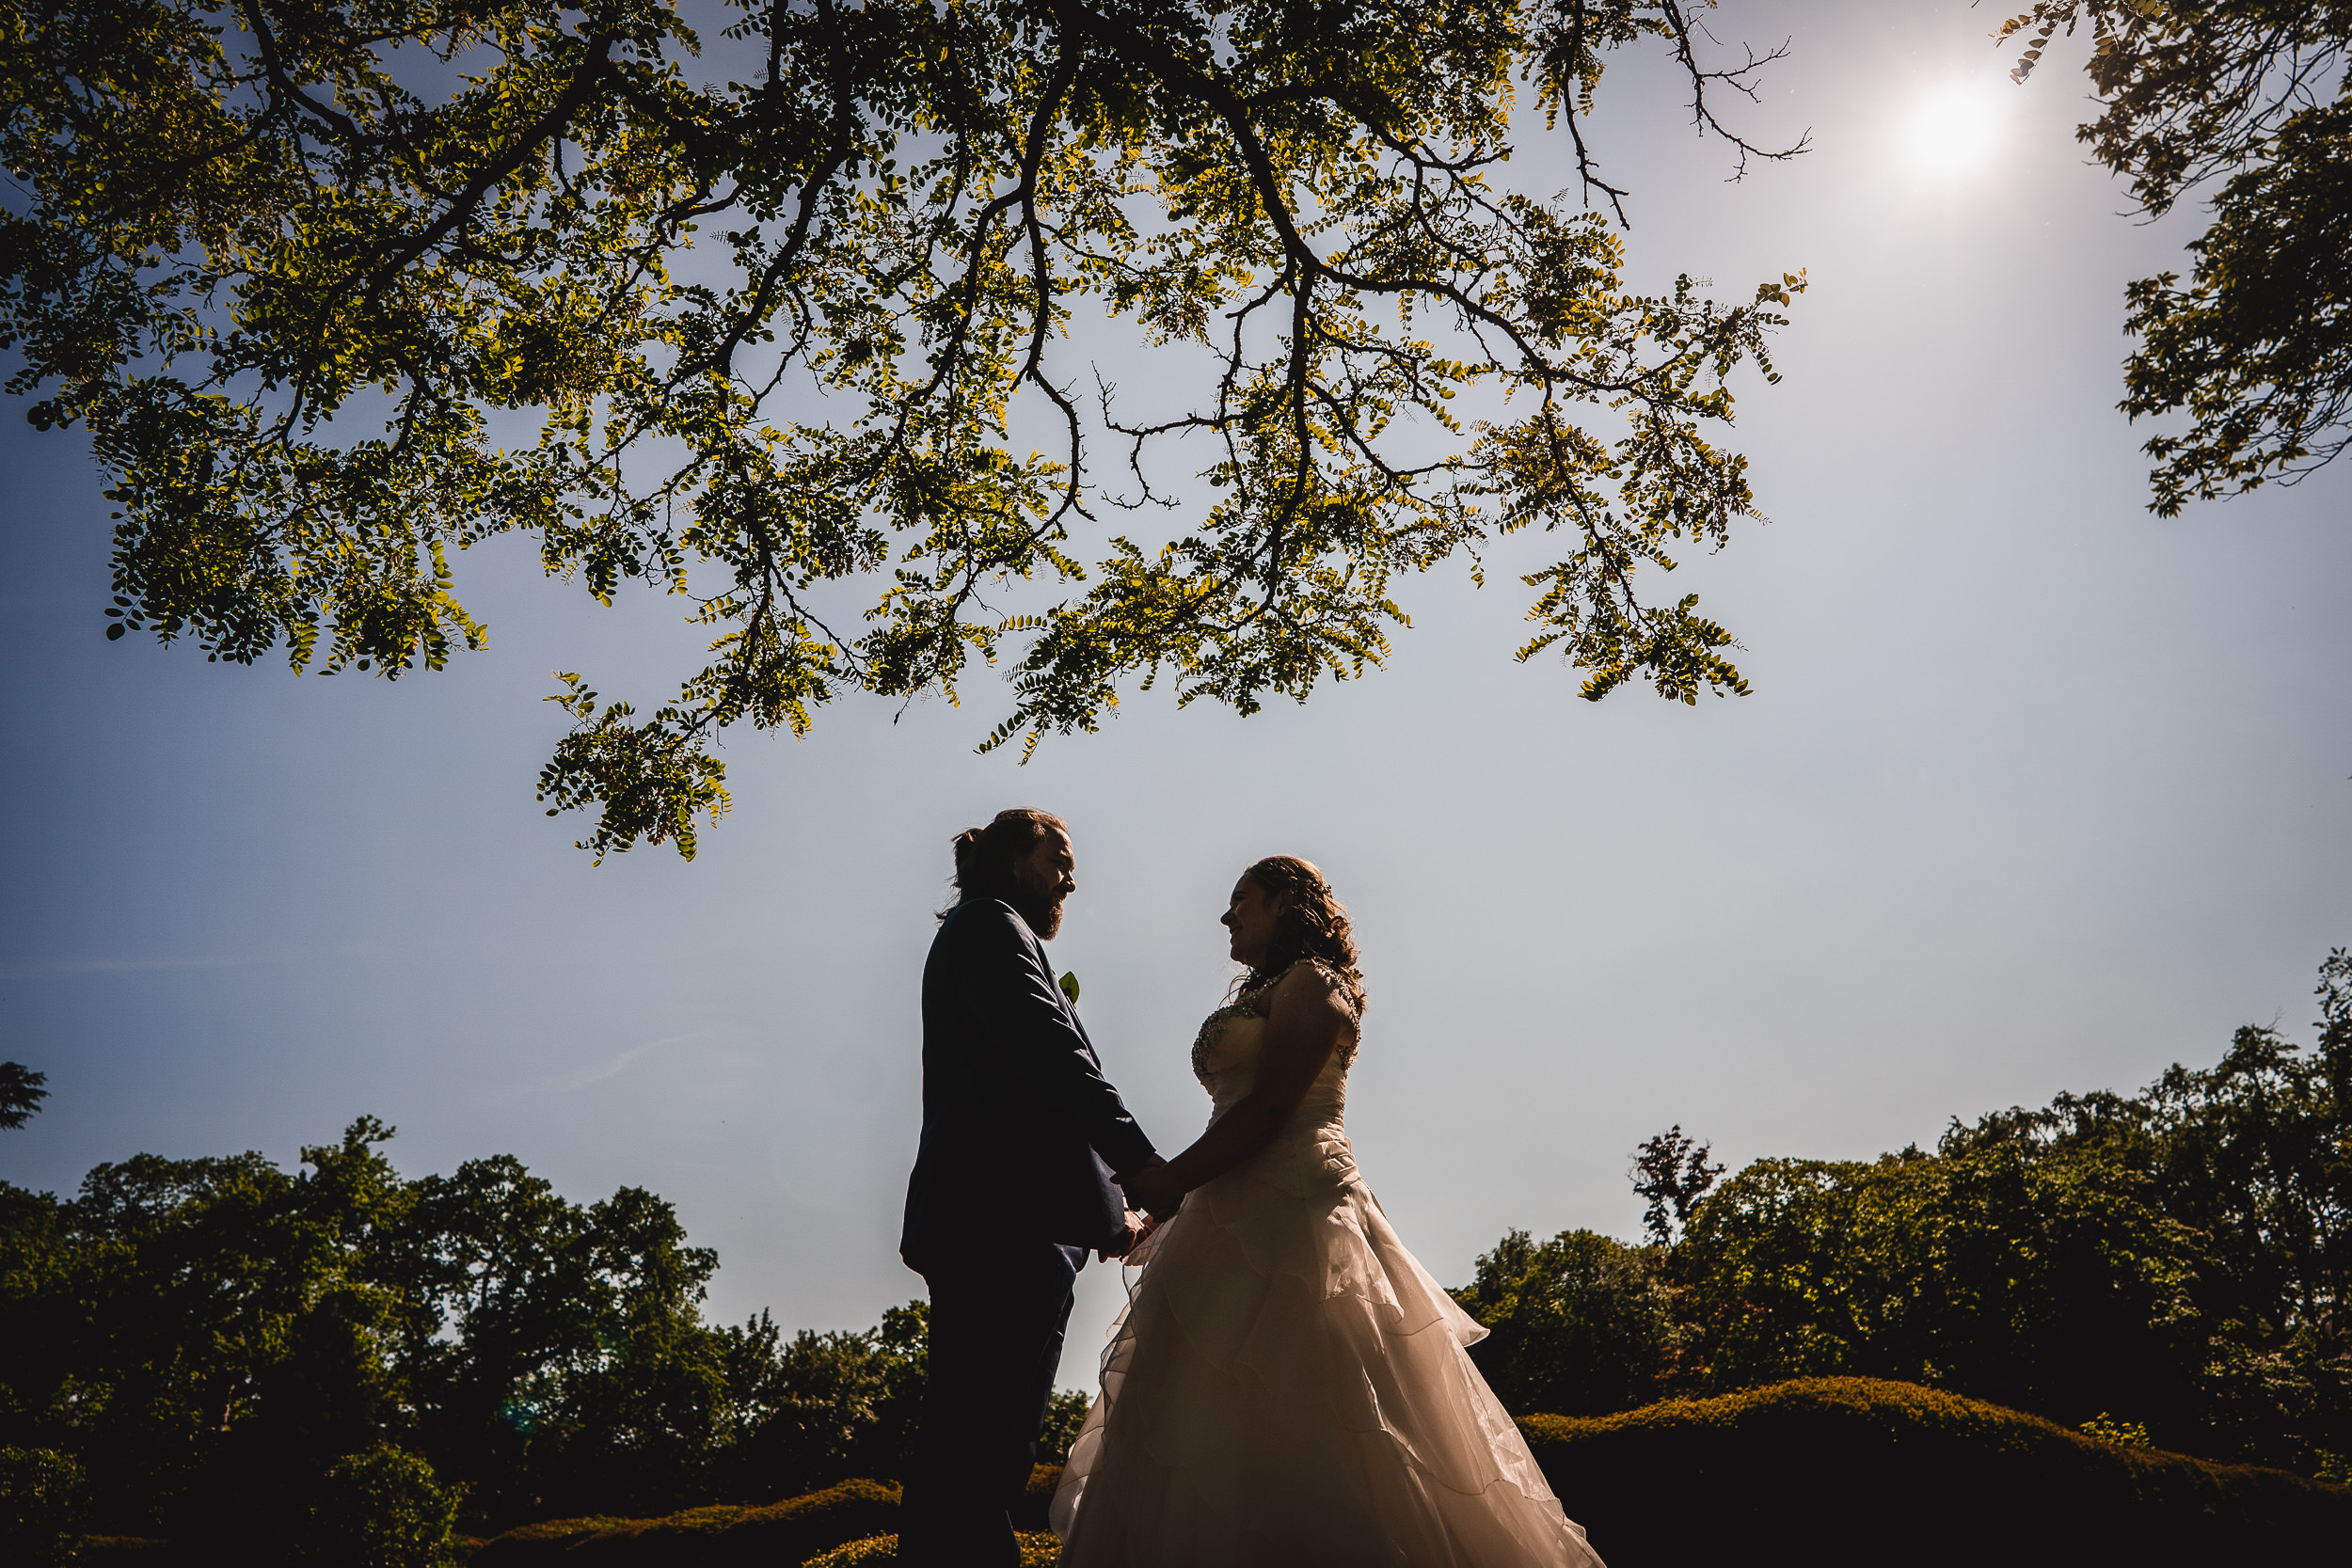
{"x":1139,"y":1227}
{"x":1151,"y":1188}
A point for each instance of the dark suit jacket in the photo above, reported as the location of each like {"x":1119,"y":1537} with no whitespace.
{"x":1021,"y":1133}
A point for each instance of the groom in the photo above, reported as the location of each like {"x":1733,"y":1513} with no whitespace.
{"x":1025,"y":1148}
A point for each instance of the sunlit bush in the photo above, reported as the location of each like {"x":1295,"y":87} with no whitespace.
{"x":383,"y":1509}
{"x":1578,"y":1325}
{"x":42,"y":1504}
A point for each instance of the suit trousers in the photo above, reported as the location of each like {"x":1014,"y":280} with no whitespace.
{"x":999,"y":1312}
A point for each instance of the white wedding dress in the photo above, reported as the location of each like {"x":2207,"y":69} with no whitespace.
{"x":1287,"y":1387}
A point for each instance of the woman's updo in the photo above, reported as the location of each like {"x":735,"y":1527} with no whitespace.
{"x":1315,"y":925}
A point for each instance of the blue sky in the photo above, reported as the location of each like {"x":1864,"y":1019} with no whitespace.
{"x":2035,"y":792}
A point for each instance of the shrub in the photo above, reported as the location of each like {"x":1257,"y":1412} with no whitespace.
{"x":1064,"y":1416}
{"x":1851,"y":1470}
{"x":1036,"y":1498}
{"x":826,"y":1406}
{"x":2106,"y":1427}
{"x":42,"y":1501}
{"x":1579,"y":1325}
{"x":383,"y":1509}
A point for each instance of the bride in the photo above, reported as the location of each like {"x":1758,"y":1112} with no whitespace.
{"x":1287,"y":1386}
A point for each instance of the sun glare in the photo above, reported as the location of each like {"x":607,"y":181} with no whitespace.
{"x":1955,"y":130}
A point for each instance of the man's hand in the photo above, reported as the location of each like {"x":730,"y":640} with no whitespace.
{"x":1151,"y":1188}
{"x":1139,"y":1226}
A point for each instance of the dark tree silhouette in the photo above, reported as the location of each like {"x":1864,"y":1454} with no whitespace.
{"x":20,"y":1093}
{"x":1672,"y":1172}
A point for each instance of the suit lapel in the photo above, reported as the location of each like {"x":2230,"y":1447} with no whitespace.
{"x":1061,"y":998}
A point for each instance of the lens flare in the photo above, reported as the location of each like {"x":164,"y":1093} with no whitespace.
{"x":1956,"y":129}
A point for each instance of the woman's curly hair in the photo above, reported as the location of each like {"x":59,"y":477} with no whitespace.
{"x":1315,"y":925}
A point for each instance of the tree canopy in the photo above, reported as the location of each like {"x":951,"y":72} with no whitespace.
{"x":2169,"y":1266}
{"x":2247,"y":98}
{"x":20,"y":1093}
{"x":208,"y":1338}
{"x":339,"y":290}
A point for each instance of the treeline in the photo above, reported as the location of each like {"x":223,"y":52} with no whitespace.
{"x":225,"y":1353}
{"x":2173,"y":1266}
{"x":208,"y":1338}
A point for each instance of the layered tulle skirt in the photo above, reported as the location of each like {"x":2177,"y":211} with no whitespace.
{"x":1288,"y":1387}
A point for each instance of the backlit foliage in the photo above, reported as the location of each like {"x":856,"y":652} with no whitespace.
{"x":2255,"y":348}
{"x":342,"y":288}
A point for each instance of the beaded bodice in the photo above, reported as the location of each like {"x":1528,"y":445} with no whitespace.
{"x":1225,"y":1059}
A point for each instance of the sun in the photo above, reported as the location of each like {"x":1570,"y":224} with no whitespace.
{"x":1955,"y":129}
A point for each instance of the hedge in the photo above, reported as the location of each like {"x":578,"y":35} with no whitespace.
{"x":1838,"y":1471}
{"x":775,"y":1536}
{"x":717,"y":1537}
{"x":1827,"y":1472}
{"x":1038,"y":1549}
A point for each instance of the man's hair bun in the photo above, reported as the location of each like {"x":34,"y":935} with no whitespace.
{"x":985,"y":856}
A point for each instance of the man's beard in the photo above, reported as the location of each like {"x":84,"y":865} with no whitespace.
{"x":1041,"y":910}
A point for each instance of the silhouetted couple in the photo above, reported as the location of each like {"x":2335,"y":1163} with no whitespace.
{"x":1287,"y":1386}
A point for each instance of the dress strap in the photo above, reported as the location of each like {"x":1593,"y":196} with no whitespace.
{"x":1338,"y":981}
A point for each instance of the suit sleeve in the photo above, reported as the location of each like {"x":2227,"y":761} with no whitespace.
{"x":1017,"y":1008}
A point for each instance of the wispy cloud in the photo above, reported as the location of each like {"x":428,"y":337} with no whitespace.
{"x":58,"y":969}
{"x":49,"y":969}
{"x":580,"y":1078}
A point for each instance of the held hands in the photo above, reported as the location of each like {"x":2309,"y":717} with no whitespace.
{"x":1152,"y":1188}
{"x":1139,"y":1228}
